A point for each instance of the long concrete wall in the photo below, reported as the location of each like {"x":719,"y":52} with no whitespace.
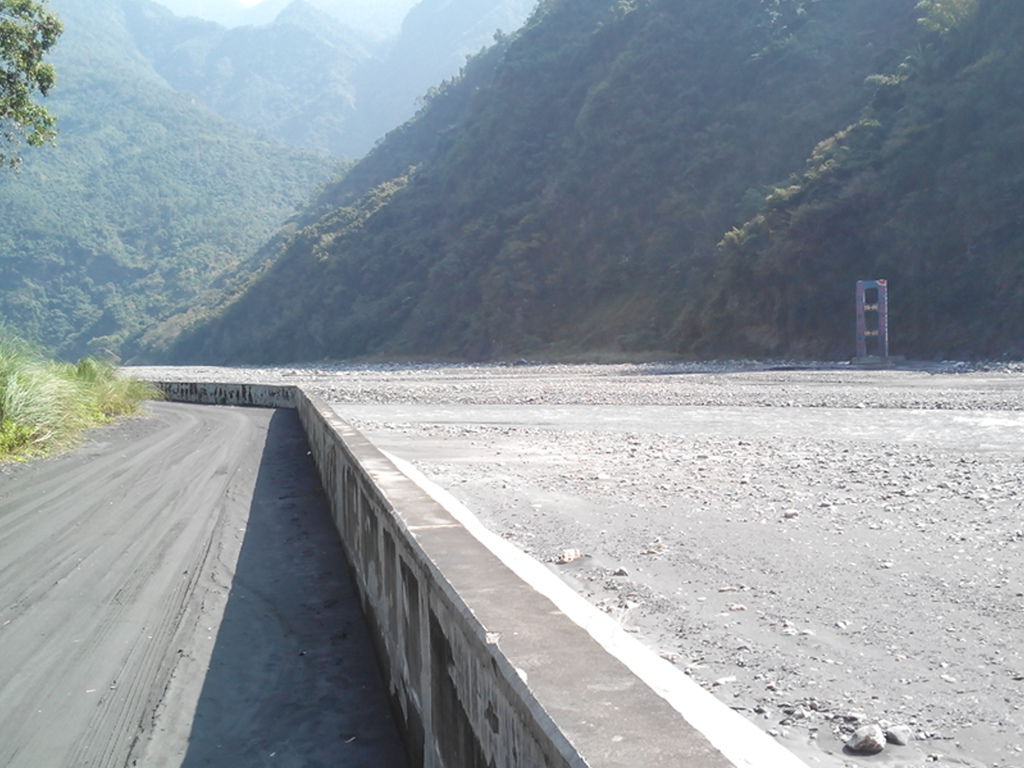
{"x":484,"y":668}
{"x":259,"y":395}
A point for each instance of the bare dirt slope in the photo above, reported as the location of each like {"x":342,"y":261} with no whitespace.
{"x":173,"y":594}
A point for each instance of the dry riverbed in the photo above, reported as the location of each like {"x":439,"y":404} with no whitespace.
{"x":821,"y":548}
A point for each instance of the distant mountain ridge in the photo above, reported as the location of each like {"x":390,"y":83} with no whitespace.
{"x":151,"y":207}
{"x":148,"y":206}
{"x":375,"y":20}
{"x":567,"y":196}
{"x":306,"y":77}
{"x":291,"y":79}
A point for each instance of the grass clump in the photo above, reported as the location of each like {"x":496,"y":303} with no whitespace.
{"x":46,"y":405}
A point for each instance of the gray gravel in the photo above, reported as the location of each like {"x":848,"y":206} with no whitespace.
{"x":825,"y":549}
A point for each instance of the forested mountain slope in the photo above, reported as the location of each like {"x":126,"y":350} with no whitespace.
{"x":291,"y":79}
{"x":147,"y":204}
{"x":436,"y":38}
{"x":926,"y":190}
{"x":306,"y":77}
{"x":568,"y":194}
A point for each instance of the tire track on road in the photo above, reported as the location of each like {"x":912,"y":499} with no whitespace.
{"x":99,"y":569}
{"x":173,"y":594}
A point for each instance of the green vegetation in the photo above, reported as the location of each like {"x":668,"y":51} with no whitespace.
{"x":151,"y":208}
{"x":306,"y":78}
{"x":563,"y":195}
{"x":293,"y":79}
{"x":309,"y":80}
{"x":46,"y":405}
{"x":435,"y":39}
{"x":148,"y":207}
{"x":27,"y":32}
{"x":924,"y":189}
{"x":617,"y":178}
{"x":698,"y":179}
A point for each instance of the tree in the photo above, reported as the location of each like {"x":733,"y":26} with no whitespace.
{"x":27,"y":32}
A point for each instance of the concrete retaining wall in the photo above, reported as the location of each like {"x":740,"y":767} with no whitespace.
{"x":259,"y":395}
{"x":484,"y":670}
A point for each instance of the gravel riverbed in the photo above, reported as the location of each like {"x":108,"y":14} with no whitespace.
{"x":821,"y":547}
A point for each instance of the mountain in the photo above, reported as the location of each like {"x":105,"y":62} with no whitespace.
{"x":567,"y":194}
{"x":306,"y":76}
{"x":375,"y":19}
{"x":925,"y":189}
{"x":227,"y":13}
{"x":149,"y":205}
{"x":291,"y":79}
{"x":436,"y":38}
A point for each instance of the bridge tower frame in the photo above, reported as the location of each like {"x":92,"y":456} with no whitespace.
{"x":872,"y":319}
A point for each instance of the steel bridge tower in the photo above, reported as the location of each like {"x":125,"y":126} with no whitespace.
{"x":872,"y":320}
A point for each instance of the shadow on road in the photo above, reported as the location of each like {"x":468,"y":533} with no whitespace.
{"x":293,"y":680}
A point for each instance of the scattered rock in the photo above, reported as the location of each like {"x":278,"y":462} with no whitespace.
{"x":867,"y":740}
{"x":900,"y":735}
{"x":568,"y":556}
{"x":621,"y":572}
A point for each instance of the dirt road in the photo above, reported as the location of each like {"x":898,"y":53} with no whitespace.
{"x":173,"y":594}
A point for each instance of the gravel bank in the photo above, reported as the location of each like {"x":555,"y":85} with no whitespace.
{"x":823,"y":549}
{"x":944,"y":386}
